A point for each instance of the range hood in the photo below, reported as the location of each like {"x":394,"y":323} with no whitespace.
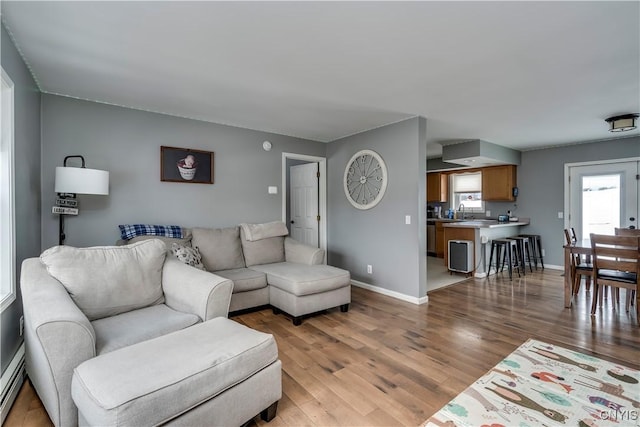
{"x":476,"y":153}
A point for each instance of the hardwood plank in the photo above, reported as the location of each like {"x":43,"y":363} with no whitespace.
{"x":388,"y":362}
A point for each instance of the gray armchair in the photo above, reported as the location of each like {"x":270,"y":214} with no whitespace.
{"x":83,"y":302}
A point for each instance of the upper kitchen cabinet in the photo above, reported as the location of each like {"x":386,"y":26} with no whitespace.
{"x":437,"y":187}
{"x":498,"y":183}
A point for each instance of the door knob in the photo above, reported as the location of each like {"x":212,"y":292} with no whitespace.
{"x":292,"y":222}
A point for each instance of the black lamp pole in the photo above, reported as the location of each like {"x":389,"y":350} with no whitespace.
{"x":61,"y":235}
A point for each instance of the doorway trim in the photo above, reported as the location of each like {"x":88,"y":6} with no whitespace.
{"x":567,"y":184}
{"x":322,"y":192}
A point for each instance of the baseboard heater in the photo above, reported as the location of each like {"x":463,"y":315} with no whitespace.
{"x":460,"y":256}
{"x":12,"y":380}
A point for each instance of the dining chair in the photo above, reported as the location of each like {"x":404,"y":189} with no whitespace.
{"x":578,"y":267}
{"x":627,"y":231}
{"x":616,"y":262}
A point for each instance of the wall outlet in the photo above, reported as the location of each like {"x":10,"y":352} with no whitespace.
{"x":369,"y":269}
{"x":543,"y":252}
{"x":487,"y":214}
{"x":21,"y":325}
{"x":560,"y":215}
{"x":407,"y":219}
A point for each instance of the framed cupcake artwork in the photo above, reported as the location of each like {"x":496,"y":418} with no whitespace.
{"x":186,"y":165}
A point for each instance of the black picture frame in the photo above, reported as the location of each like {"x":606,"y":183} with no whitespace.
{"x":186,"y":165}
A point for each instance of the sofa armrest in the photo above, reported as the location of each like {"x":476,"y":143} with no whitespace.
{"x":300,"y":253}
{"x":58,"y":338}
{"x":191,"y":290}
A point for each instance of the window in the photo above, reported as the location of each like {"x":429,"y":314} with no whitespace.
{"x":7,"y":201}
{"x":466,"y":190}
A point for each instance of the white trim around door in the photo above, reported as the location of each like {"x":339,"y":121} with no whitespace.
{"x":322,"y":192}
{"x":570,"y":222}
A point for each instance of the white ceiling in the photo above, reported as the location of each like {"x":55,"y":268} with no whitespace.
{"x":518,"y":74}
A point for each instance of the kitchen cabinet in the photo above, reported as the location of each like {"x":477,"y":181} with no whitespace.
{"x":498,"y":183}
{"x":437,"y":187}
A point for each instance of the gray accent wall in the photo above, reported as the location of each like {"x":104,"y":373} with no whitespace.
{"x":27,"y":184}
{"x":541,"y":185}
{"x":379,"y":236}
{"x":126,"y":142}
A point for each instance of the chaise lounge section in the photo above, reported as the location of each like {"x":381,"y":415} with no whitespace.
{"x":268,"y":268}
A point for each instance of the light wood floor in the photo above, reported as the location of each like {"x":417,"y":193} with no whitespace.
{"x":390,"y":363}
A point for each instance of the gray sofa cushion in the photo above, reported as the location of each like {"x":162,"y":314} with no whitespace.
{"x":220,"y":247}
{"x":107,"y":280}
{"x":264,"y":251}
{"x":244,"y":279}
{"x":301,"y":279}
{"x":180,"y":371}
{"x":139,"y":325}
{"x":253,"y":232}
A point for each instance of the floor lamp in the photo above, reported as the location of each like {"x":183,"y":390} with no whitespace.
{"x":71,"y":181}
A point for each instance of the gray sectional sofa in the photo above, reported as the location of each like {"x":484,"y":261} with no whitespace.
{"x":268,"y":268}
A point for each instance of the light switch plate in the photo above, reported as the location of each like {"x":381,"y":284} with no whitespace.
{"x":407,"y":219}
{"x":560,"y":215}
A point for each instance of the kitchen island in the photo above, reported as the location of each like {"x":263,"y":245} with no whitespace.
{"x":480,"y":232}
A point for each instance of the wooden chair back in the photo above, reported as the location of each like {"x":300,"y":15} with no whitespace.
{"x":627,"y":231}
{"x":616,"y":262}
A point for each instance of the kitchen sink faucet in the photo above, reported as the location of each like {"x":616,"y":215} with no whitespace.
{"x":461,"y":208}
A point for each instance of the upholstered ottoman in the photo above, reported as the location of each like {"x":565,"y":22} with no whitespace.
{"x":214,"y":373}
{"x":299,"y":289}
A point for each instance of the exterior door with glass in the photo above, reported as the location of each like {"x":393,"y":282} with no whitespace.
{"x":603,"y":196}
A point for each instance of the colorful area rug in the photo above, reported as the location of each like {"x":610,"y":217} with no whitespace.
{"x":541,"y":384}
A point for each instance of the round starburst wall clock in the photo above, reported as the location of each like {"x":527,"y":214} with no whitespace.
{"x":365,"y":179}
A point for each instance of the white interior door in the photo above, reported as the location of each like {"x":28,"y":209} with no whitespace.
{"x":603,"y":197}
{"x":304,"y":203}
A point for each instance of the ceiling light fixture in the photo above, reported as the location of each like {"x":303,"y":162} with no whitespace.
{"x":622,"y":123}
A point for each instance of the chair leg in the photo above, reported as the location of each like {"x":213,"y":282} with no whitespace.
{"x":508,"y":254}
{"x":576,"y":283}
{"x":594,"y":300}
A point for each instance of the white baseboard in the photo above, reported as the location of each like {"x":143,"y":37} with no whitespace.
{"x":393,"y":294}
{"x":11,"y":382}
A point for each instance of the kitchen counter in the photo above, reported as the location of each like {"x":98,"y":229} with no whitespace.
{"x":481,"y":233}
{"x":484,"y":223}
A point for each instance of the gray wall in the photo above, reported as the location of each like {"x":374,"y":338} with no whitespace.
{"x":27,"y":183}
{"x":127,"y":142}
{"x":379,"y":236}
{"x":541,"y":184}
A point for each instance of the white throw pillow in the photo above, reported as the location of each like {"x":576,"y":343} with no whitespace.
{"x":107,"y":280}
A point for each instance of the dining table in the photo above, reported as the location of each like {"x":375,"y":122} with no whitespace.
{"x":582,"y":247}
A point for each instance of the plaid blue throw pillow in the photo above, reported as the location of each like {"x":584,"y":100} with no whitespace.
{"x":129,"y":231}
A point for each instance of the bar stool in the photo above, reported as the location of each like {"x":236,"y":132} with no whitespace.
{"x":536,"y":245}
{"x":524,"y":247}
{"x":510,"y":252}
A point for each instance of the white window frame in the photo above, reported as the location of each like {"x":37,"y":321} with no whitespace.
{"x":7,"y":195}
{"x":452,"y":187}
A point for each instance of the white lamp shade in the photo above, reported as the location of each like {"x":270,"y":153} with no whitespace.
{"x":81,"y":181}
